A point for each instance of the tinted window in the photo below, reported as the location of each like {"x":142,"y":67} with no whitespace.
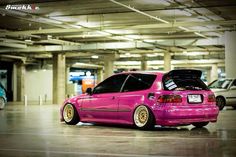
{"x":138,"y":82}
{"x":182,"y":83}
{"x":110,"y":85}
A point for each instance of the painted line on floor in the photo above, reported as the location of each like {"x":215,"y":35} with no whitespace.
{"x":81,"y":153}
{"x":126,"y":137}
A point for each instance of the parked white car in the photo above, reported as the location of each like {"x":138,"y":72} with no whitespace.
{"x":225,"y":92}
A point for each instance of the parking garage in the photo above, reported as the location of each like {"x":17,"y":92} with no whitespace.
{"x":53,"y":50}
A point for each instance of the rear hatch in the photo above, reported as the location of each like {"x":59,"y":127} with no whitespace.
{"x":186,"y":87}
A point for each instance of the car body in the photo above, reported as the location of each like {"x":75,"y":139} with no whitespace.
{"x":3,"y":98}
{"x":142,"y":99}
{"x":225,"y":92}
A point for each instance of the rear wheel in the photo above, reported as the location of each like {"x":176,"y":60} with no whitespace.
{"x":143,"y":117}
{"x":220,"y":102}
{"x":200,"y":124}
{"x":2,"y":103}
{"x":234,"y":107}
{"x":70,"y":114}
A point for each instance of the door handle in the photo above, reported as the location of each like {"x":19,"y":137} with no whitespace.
{"x":113,"y":98}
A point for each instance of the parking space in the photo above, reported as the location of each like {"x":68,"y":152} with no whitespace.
{"x":36,"y":131}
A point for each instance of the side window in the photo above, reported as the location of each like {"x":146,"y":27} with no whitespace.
{"x":137,"y":82}
{"x":110,"y":85}
{"x":234,"y":83}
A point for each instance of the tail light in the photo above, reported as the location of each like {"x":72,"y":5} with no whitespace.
{"x":211,"y":98}
{"x":170,"y":99}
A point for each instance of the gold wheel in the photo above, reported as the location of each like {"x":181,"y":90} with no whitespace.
{"x":68,"y":113}
{"x":141,"y":116}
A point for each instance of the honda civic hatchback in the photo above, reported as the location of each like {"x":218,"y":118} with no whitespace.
{"x":176,"y":98}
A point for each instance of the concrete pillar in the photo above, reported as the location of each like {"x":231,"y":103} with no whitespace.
{"x":144,"y":66}
{"x":59,"y":78}
{"x":99,"y":75}
{"x":167,"y":61}
{"x":109,"y":65}
{"x":230,"y":54}
{"x":20,"y":81}
{"x":14,"y":82}
{"x":214,"y":72}
{"x":209,"y":75}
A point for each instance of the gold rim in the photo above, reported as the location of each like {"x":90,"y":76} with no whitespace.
{"x":68,"y":112}
{"x":141,"y":116}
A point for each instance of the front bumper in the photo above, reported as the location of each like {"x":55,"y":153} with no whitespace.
{"x":170,"y":115}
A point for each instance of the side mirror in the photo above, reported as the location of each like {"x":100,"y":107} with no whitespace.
{"x":89,"y":91}
{"x":233,"y":87}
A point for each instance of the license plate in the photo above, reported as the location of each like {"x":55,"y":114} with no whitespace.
{"x":194,"y":99}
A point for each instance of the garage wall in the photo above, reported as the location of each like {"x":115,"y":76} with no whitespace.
{"x":38,"y":82}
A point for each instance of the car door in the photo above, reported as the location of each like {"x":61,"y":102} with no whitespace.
{"x":133,"y":94}
{"x":102,"y":105}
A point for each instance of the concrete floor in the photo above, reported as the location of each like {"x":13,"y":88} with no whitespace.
{"x":36,"y":131}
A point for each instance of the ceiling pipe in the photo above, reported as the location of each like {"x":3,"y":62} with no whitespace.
{"x":155,"y":18}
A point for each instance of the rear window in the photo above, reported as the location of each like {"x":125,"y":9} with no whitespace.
{"x":183,"y":83}
{"x":137,"y":82}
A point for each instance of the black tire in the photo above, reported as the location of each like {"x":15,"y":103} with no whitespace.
{"x":70,"y":114}
{"x":220,"y":102}
{"x":234,"y":107}
{"x":200,"y":124}
{"x":2,"y":103}
{"x":143,"y":118}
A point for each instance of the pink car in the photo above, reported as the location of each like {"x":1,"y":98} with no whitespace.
{"x":178,"y":97}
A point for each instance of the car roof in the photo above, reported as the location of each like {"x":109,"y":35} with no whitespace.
{"x":142,"y":72}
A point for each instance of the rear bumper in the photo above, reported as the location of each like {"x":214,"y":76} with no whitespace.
{"x":169,"y":115}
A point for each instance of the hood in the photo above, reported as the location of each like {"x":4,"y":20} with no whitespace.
{"x":75,"y":98}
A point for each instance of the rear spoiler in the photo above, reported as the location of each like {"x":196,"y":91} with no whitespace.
{"x":184,"y":73}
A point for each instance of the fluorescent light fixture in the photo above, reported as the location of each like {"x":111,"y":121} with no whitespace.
{"x":199,"y":34}
{"x":87,"y":24}
{"x":129,"y":55}
{"x":75,"y":26}
{"x":49,"y":20}
{"x":103,"y":32}
{"x":133,"y":36}
{"x":196,"y":53}
{"x":184,"y":28}
{"x":95,"y":57}
{"x":117,"y":31}
{"x":127,"y":63}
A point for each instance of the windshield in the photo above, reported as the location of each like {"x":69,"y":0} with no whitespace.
{"x":222,"y":84}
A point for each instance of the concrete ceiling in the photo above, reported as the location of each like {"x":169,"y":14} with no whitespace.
{"x":190,"y":30}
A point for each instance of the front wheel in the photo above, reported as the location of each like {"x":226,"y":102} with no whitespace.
{"x":70,"y":114}
{"x":200,"y":124}
{"x":220,"y":102}
{"x":143,"y":117}
{"x":2,"y":103}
